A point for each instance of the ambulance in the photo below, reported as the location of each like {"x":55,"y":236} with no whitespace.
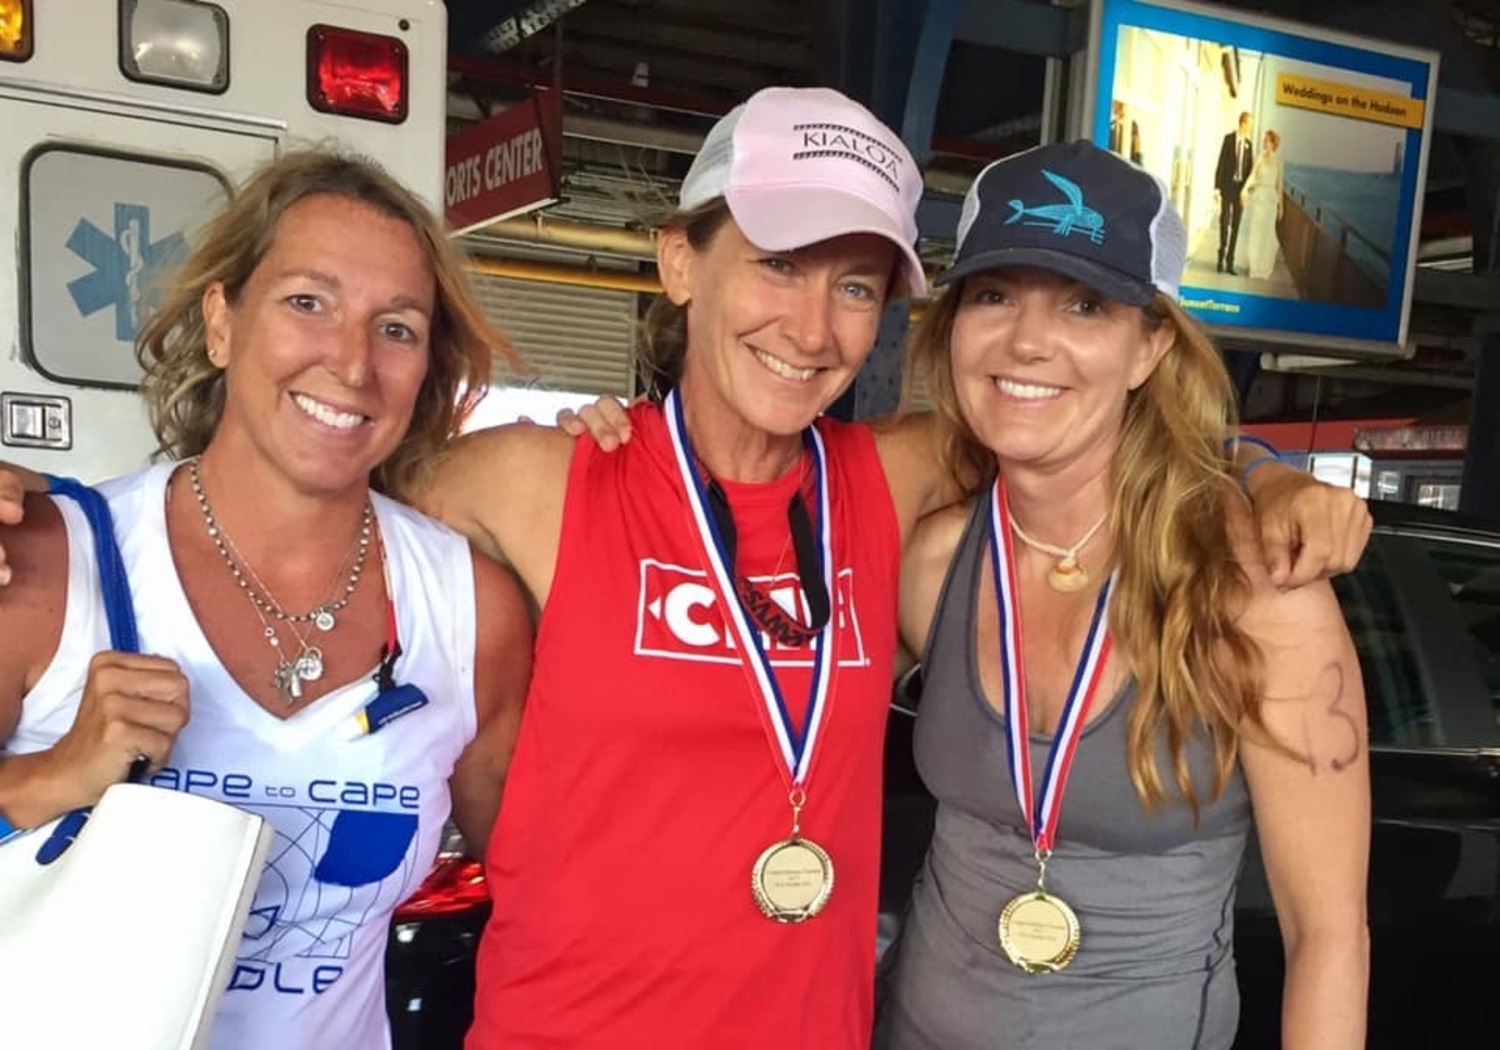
{"x":124,"y":125}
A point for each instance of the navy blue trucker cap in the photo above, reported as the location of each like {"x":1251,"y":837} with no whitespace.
{"x":1077,"y":210}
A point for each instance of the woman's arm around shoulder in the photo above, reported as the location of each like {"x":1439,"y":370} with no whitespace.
{"x":502,"y":671}
{"x":503,"y":488}
{"x":911,"y":455}
{"x":1311,"y":798}
{"x":1308,"y":528}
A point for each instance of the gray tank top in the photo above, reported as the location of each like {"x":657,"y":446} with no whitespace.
{"x":1153,"y":892}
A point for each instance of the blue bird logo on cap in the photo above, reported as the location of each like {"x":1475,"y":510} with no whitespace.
{"x":1062,"y":219}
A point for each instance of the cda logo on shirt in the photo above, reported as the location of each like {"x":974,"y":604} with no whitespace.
{"x":678,"y":618}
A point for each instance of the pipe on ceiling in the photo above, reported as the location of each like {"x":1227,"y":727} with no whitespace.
{"x":558,"y":273}
{"x":610,"y":240}
{"x":494,"y":71}
{"x":625,"y":133}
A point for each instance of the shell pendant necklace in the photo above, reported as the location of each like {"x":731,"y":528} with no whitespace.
{"x":1067,"y":576}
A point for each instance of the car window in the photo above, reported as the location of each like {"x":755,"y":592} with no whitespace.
{"x":1401,"y":713}
{"x":1472,"y":573}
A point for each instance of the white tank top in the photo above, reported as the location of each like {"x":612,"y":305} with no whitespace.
{"x":357,"y":817}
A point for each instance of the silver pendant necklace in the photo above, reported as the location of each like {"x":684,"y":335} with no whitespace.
{"x":308,"y":664}
{"x":290,"y":674}
{"x":322,"y":616}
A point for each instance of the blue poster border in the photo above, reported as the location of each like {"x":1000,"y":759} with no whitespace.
{"x":1268,"y":318}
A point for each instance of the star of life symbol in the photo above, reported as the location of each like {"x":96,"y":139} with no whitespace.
{"x":124,"y":264}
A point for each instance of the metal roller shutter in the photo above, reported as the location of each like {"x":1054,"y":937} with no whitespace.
{"x":577,"y":339}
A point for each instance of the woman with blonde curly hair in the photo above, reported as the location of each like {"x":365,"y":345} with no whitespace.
{"x":183,"y":384}
{"x":318,"y":653}
{"x":1114,"y":691}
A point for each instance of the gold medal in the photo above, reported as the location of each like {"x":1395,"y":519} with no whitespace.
{"x":1039,"y":932}
{"x":792,"y":880}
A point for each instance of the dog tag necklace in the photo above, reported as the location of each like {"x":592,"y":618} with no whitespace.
{"x":792,"y":878}
{"x":1039,"y":931}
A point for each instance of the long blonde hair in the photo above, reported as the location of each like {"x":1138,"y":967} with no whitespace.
{"x":184,"y":391}
{"x":1173,"y":612}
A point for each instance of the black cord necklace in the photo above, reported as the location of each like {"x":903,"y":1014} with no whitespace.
{"x":761,"y":607}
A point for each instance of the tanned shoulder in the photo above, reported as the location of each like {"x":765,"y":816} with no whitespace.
{"x":503,"y":488}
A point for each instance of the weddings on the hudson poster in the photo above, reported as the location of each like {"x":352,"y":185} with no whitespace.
{"x":1296,"y":155}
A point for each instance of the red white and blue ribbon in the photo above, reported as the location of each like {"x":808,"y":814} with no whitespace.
{"x":796,"y":747}
{"x":1042,"y":818}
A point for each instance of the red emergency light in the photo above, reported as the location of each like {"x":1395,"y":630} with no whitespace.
{"x":15,"y":30}
{"x":356,"y":74}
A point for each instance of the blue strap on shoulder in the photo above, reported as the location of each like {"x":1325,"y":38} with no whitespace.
{"x":118,"y":609}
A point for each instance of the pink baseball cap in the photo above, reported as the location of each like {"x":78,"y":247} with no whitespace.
{"x":803,"y":165}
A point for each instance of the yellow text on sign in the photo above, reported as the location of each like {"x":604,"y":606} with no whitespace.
{"x":1345,"y":100}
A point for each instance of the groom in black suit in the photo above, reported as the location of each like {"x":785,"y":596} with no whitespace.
{"x":1235,"y":158}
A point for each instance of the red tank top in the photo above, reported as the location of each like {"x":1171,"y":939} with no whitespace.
{"x":644,"y":784}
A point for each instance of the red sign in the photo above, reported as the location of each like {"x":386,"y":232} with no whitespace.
{"x":505,"y":165}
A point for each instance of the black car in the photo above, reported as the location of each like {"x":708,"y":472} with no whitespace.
{"x":1424,"y":610}
{"x":429,"y":959}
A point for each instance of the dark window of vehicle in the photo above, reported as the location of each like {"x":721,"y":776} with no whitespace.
{"x":1401,"y":714}
{"x":1472,"y":572}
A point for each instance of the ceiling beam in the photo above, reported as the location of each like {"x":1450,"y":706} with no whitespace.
{"x":1479,"y":292}
{"x":764,"y":45}
{"x":1028,"y":27}
{"x":477,"y":26}
{"x":701,"y":71}
{"x":499,"y":71}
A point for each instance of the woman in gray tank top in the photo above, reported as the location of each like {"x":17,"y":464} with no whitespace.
{"x":1114,"y":688}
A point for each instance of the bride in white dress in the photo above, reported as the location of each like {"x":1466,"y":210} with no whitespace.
{"x":1261,"y":199}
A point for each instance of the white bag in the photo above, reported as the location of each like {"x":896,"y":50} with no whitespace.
{"x":125,"y":941}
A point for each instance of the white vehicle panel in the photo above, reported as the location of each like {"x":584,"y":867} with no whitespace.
{"x":104,"y":179}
